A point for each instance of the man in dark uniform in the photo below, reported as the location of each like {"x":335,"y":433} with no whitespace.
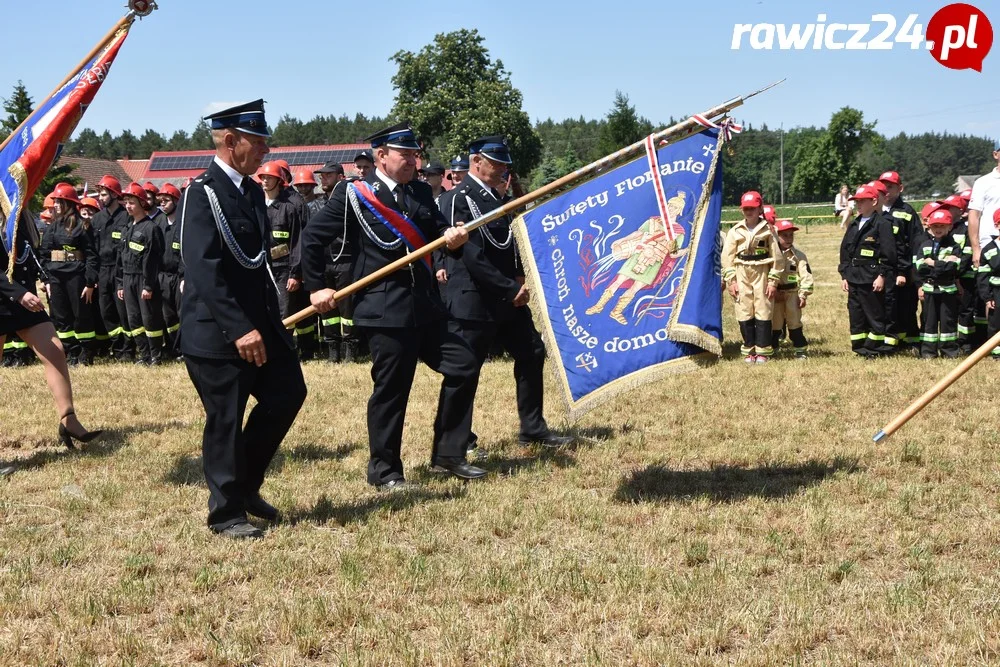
{"x":330,"y":174}
{"x":433,"y":175}
{"x":287,"y":221}
{"x":109,"y":227}
{"x":485,"y":290}
{"x":232,"y":338}
{"x":170,"y":269}
{"x":401,"y":315}
{"x":908,"y":232}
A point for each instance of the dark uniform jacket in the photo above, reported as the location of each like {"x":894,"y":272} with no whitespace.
{"x":171,"y":246}
{"x":223,"y":301}
{"x":407,"y":298}
{"x":141,"y":254}
{"x":286,"y":221}
{"x":988,"y":278}
{"x":868,"y":252}
{"x":78,"y":240}
{"x":950,"y":261}
{"x":907,"y":230}
{"x":109,"y":230}
{"x":483,"y":280}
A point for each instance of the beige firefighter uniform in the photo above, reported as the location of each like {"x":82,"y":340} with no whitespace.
{"x":751,"y":258}
{"x":796,"y":282}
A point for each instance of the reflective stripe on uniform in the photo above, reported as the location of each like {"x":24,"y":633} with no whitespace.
{"x":891,"y":340}
{"x":947,"y":337}
{"x":114,"y":332}
{"x":964,"y":329}
{"x":346,"y":322}
{"x":154,"y":334}
{"x":66,"y":334}
{"x":103,"y":337}
{"x":138,"y":332}
{"x":17,"y":345}
{"x":174,"y":328}
{"x":330,"y":322}
{"x":305,"y":330}
{"x":860,"y":336}
{"x":85,"y":335}
{"x":872,"y":336}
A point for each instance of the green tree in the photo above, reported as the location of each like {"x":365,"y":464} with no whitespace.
{"x":86,"y":144}
{"x":834,"y":158}
{"x":126,"y":145}
{"x":623,"y":126}
{"x":18,"y":107}
{"x":452,"y":92}
{"x":201,"y":138}
{"x":150,"y":141}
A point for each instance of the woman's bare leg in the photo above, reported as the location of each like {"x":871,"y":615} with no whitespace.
{"x":43,"y":340}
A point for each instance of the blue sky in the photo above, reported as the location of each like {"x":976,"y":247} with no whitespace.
{"x":671,"y":59}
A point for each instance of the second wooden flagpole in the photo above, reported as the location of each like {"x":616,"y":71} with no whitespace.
{"x":916,"y":406}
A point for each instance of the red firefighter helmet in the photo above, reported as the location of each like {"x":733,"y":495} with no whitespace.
{"x":66,"y":192}
{"x":303,"y":177}
{"x":272,"y":169}
{"x":151,"y":188}
{"x":112,"y":184}
{"x":170,"y":190}
{"x":137,"y":191}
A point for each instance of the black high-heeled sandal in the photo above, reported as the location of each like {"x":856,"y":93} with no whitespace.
{"x":67,"y":437}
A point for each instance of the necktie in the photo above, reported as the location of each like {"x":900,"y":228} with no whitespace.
{"x":496,"y":195}
{"x":245,"y":186}
{"x":400,"y":198}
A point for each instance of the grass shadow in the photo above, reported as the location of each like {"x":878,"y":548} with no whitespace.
{"x":727,"y":484}
{"x":110,"y":442}
{"x":312,"y":451}
{"x":514,"y":465}
{"x":325,"y":510}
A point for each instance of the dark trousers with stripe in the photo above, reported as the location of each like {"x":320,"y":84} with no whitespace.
{"x":170,"y":296}
{"x":867,"y":316}
{"x":113,"y":313}
{"x":291,"y":303}
{"x":336,"y":326}
{"x":73,"y":319}
{"x":901,"y":305}
{"x":993,"y":326}
{"x":145,"y":318}
{"x":235,"y":457}
{"x":395,"y":352}
{"x":940,"y":325}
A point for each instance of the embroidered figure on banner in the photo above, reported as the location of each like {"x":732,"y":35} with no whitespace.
{"x":649,"y":258}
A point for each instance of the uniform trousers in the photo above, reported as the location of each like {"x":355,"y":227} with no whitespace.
{"x":113,"y":313}
{"x":940,"y":326}
{"x":170,"y":296}
{"x":145,"y":318}
{"x":867,"y":317}
{"x":753,"y":308}
{"x":971,"y":316}
{"x":73,"y":319}
{"x":395,"y":352}
{"x":786,"y":311}
{"x":903,"y":313}
{"x":291,"y":303}
{"x":993,"y":326}
{"x":521,"y":341}
{"x":235,"y":457}
{"x":336,"y":325}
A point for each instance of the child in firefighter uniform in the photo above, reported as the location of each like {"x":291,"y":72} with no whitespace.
{"x":867,"y":262}
{"x":752,"y":263}
{"x":988,"y":283}
{"x":138,"y":277}
{"x":938,"y":262}
{"x":794,"y":288}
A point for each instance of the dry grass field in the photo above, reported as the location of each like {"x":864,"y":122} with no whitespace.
{"x":736,"y":515}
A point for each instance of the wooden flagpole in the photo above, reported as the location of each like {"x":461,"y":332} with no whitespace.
{"x":512,"y":206}
{"x":127,"y":19}
{"x":916,"y":406}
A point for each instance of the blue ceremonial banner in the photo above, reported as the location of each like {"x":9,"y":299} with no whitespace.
{"x":625,"y":273}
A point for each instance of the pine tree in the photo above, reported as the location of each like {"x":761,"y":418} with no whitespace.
{"x":18,"y":107}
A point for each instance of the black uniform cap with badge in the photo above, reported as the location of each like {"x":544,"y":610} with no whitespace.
{"x":247,"y":118}
{"x":399,"y":135}
{"x":433,"y":168}
{"x":494,"y":147}
{"x":458,"y":166}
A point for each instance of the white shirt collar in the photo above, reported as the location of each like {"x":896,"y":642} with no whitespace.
{"x":385,"y":179}
{"x":481,"y":184}
{"x":236,"y":176}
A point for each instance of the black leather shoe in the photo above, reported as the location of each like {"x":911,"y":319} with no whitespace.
{"x":547,"y":440}
{"x":398,"y":486}
{"x":262,"y":509}
{"x":460,"y":469}
{"x":241,"y":531}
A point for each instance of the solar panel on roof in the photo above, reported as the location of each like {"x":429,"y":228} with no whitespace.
{"x":178,"y":162}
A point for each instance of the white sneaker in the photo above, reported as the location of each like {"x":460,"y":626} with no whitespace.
{"x":750,"y":359}
{"x":760,"y":359}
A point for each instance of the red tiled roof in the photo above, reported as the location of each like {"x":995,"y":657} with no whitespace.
{"x":134,"y":168}
{"x":90,"y":170}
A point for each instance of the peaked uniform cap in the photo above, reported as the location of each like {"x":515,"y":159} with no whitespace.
{"x":494,"y":147}
{"x":247,"y":118}
{"x":399,"y":135}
